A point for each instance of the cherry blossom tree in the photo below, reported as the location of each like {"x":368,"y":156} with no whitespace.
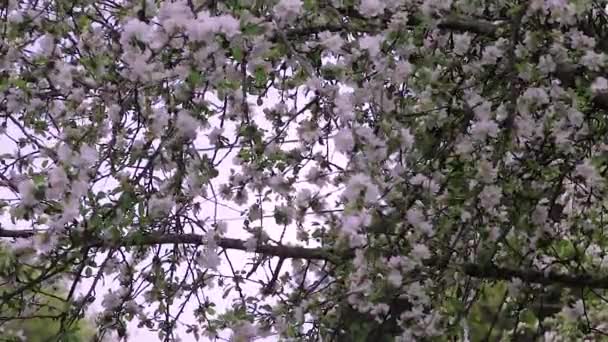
{"x":404,"y":170}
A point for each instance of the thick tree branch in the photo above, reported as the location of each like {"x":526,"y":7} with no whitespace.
{"x":533,"y":276}
{"x":296,"y":252}
{"x":290,"y":252}
{"x":478,"y":26}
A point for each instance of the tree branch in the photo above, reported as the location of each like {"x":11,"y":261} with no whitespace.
{"x":534,"y":276}
{"x":288,"y":252}
{"x":478,"y":26}
{"x":488,"y":271}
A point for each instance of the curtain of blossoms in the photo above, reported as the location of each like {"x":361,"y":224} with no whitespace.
{"x":423,"y":154}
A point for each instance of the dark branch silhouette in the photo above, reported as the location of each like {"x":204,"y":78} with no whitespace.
{"x":483,"y":271}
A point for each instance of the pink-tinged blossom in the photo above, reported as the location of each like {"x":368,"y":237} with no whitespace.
{"x":214,"y":135}
{"x":58,"y":181}
{"x":486,"y":172}
{"x":490,"y":55}
{"x":15,"y":17}
{"x":203,"y":28}
{"x":395,"y":278}
{"x":407,"y":139}
{"x":344,"y":107}
{"x":309,"y":132}
{"x":160,"y":206}
{"x":304,"y":198}
{"x":403,"y":71}
{"x":575,"y":117}
{"x":187,"y":126}
{"x":113,"y":299}
{"x":546,"y":64}
{"x":174,"y":15}
{"x":46,"y":45}
{"x":251,"y":244}
{"x":344,"y":141}
{"x":316,"y":177}
{"x":420,"y":252}
{"x":536,"y":95}
{"x":588,"y":172}
{"x":592,"y":60}
{"x":483,"y":129}
{"x":415,"y":216}
{"x":575,"y":311}
{"x":228,"y":25}
{"x":372,"y":44}
{"x":354,"y":224}
{"x":114,"y":113}
{"x":540,"y":215}
{"x":600,"y":84}
{"x":372,"y":8}
{"x":65,"y":154}
{"x":288,"y":10}
{"x":462,"y":42}
{"x":331,"y":41}
{"x":160,"y":119}
{"x":361,"y":185}
{"x":490,"y":197}
{"x":27,"y":191}
{"x":135,"y":29}
{"x":87,"y":156}
{"x":209,"y":259}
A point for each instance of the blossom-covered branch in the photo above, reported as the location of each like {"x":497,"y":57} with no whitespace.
{"x":193,"y":239}
{"x":482,"y":271}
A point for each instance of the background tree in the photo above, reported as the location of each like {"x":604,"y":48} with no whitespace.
{"x":404,"y":170}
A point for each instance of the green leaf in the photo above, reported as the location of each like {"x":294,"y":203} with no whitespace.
{"x":260,"y":76}
{"x":195,"y":78}
{"x":237,"y":53}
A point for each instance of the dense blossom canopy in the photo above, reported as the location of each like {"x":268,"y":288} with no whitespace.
{"x":429,"y":170}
